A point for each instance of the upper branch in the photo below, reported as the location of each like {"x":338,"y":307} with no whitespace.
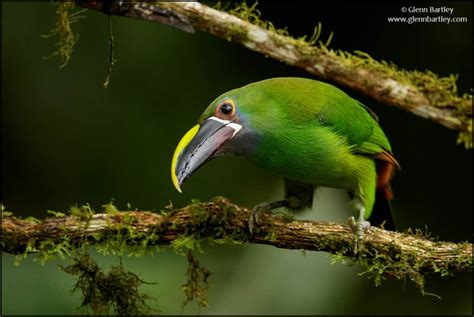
{"x":393,"y":254}
{"x":421,"y":93}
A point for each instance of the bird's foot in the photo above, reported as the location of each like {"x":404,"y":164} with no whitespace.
{"x":358,"y":227}
{"x":256,"y":211}
{"x":263,"y":208}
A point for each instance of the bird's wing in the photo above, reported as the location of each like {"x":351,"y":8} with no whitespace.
{"x":377,"y":149}
{"x":358,"y":125}
{"x":365,"y":137}
{"x":377,"y":145}
{"x":345,"y":116}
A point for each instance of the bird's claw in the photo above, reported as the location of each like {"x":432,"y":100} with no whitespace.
{"x":256,"y":211}
{"x":358,"y":227}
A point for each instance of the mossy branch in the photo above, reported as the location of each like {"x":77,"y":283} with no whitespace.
{"x":383,"y":253}
{"x":421,"y":93}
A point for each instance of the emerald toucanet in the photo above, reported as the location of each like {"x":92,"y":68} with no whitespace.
{"x":310,"y":132}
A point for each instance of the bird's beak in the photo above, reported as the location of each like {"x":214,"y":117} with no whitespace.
{"x":199,"y":145}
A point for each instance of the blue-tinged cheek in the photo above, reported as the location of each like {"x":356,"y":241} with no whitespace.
{"x":245,"y":142}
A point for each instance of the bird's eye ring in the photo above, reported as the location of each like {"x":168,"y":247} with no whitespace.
{"x":226,"y":109}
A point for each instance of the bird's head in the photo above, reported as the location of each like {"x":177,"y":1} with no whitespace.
{"x":254,"y":120}
{"x":223,"y":128}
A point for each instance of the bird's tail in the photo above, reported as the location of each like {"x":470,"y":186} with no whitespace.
{"x":382,"y":211}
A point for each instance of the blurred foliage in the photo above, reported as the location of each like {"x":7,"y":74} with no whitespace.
{"x":66,"y":140}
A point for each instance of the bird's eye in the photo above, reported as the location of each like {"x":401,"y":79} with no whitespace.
{"x":226,"y":108}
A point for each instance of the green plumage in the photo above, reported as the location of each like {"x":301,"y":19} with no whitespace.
{"x":311,"y":132}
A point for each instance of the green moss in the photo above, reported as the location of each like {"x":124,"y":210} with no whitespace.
{"x":116,"y":239}
{"x":391,"y":262}
{"x":142,"y":246}
{"x":205,"y":223}
{"x":252,"y":15}
{"x":110,"y":208}
{"x":5,"y":213}
{"x":103,"y":292}
{"x":115,"y":291}
{"x":67,"y":39}
{"x":426,"y":234}
{"x":271,"y":236}
{"x":30,"y":248}
{"x":32,"y":219}
{"x":441,"y":92}
{"x":197,"y":284}
{"x":220,"y":224}
{"x":119,"y":236}
{"x":56,"y":214}
{"x":123,"y":237}
{"x":236,"y":237}
{"x":200,"y":214}
{"x":49,"y":249}
{"x":83,"y":213}
{"x":181,"y":245}
{"x":465,"y":137}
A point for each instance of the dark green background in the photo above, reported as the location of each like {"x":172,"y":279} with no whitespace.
{"x":66,"y":140}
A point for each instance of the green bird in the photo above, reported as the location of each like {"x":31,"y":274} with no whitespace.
{"x":310,"y":132}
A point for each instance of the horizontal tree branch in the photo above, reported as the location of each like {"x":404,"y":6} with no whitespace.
{"x":390,"y":254}
{"x":421,"y":93}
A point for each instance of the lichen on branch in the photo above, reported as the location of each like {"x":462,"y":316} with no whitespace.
{"x":384,"y":254}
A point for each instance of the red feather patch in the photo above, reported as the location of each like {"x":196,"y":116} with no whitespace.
{"x":385,"y":170}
